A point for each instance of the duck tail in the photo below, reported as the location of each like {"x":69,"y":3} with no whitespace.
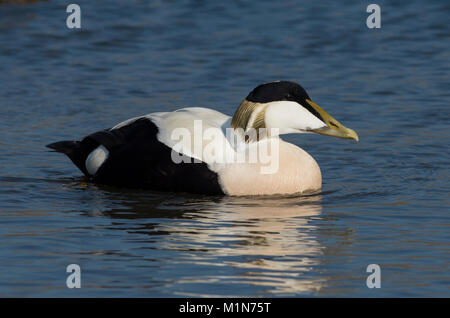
{"x":74,"y":150}
{"x":66,"y":146}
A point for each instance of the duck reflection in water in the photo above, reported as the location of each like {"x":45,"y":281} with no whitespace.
{"x":267,"y":241}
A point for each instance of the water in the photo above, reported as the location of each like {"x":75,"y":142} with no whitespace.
{"x":384,"y":200}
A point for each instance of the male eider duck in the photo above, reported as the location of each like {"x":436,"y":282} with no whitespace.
{"x":200,"y":150}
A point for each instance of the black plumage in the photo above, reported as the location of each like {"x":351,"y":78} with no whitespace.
{"x":138,"y":159}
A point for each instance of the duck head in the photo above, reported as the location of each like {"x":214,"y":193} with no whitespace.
{"x":286,"y":107}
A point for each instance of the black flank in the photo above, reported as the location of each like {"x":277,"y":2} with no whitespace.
{"x":138,"y":160}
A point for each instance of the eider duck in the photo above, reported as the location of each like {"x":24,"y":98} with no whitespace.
{"x":200,"y":150}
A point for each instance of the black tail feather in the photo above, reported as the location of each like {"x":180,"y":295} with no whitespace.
{"x":76,"y":151}
{"x":66,"y":146}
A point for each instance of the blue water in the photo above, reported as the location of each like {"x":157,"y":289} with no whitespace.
{"x":385,"y":200}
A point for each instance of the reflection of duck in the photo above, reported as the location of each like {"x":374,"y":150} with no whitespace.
{"x":277,"y":223}
{"x":266,"y":241}
{"x":191,"y":149}
{"x":270,"y":242}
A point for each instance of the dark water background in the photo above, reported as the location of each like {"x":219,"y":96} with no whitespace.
{"x":385,"y":200}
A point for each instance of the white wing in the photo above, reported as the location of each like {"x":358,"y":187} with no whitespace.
{"x":196,"y":132}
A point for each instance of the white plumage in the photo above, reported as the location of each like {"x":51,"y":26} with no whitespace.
{"x":95,"y":159}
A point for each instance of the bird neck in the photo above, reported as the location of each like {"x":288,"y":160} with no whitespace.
{"x":249,"y":121}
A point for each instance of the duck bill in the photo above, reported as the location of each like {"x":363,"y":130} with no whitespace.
{"x":333,"y":127}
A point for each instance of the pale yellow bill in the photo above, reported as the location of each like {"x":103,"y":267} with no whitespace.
{"x":334,"y":128}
